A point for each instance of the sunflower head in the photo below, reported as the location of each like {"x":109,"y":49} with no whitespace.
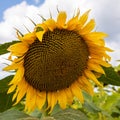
{"x":57,"y":60}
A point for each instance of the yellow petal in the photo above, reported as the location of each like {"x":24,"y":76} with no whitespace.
{"x":50,"y":23}
{"x":95,"y":36}
{"x":92,"y":77}
{"x":61,"y":19}
{"x":40,"y":35}
{"x":85,"y":85}
{"x":95,"y":52}
{"x":22,"y":87}
{"x":52,"y":100}
{"x":98,"y":51}
{"x":95,"y":67}
{"x":97,"y":48}
{"x":88,"y":28}
{"x":77,"y":91}
{"x":13,"y":66}
{"x":83,"y":18}
{"x":40,"y":99}
{"x":30,"y":99}
{"x":29,"y":38}
{"x":15,"y":95}
{"x":11,"y":89}
{"x":107,"y":57}
{"x":98,"y":61}
{"x":49,"y":99}
{"x":101,"y":55}
{"x":19,"y":59}
{"x":62,"y":100}
{"x":69,"y":96}
{"x":93,"y":42}
{"x":108,"y":49}
{"x":18,"y":48}
{"x":40,"y":29}
{"x":18,"y":76}
{"x":72,"y":23}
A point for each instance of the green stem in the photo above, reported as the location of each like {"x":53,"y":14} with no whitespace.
{"x":45,"y":111}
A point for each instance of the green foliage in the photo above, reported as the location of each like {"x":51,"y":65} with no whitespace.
{"x":4,"y":83}
{"x":48,"y":118}
{"x":36,"y":113}
{"x":15,"y":115}
{"x":5,"y":99}
{"x":3,"y":47}
{"x":89,"y":104}
{"x":39,"y":29}
{"x":70,"y":114}
{"x":110,"y":77}
{"x":117,"y":69}
{"x":103,"y":106}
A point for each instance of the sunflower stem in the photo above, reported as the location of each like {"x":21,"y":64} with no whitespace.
{"x":46,"y":113}
{"x":45,"y":110}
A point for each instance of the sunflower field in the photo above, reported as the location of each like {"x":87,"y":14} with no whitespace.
{"x":60,"y":71}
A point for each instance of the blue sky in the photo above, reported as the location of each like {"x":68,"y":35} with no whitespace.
{"x":4,"y":4}
{"x":105,"y":12}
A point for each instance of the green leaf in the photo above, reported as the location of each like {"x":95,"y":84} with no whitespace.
{"x":117,"y":68}
{"x":48,"y":118}
{"x":88,"y":104}
{"x":91,"y":107}
{"x":110,"y":77}
{"x":111,"y":100}
{"x":36,"y":113}
{"x":87,"y":96}
{"x":5,"y":99}
{"x":20,"y":106}
{"x":112,"y":104}
{"x":28,"y":118}
{"x":39,"y":29}
{"x":70,"y":114}
{"x":3,"y":47}
{"x":56,"y":109}
{"x":4,"y":83}
{"x":15,"y":115}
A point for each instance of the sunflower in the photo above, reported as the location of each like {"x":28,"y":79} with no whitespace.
{"x":56,"y":61}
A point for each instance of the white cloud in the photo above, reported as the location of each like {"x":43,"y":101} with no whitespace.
{"x":16,"y":17}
